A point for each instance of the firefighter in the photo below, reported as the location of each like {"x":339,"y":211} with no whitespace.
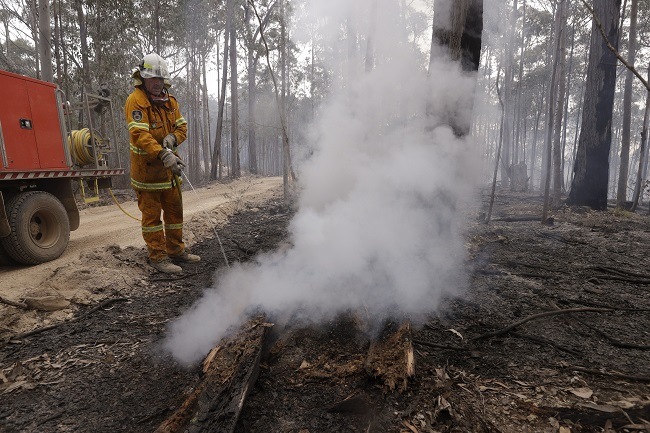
{"x":156,"y":129}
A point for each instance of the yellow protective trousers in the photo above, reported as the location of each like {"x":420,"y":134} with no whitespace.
{"x":162,"y":240}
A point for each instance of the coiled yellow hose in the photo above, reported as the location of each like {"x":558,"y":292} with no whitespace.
{"x":81,"y":148}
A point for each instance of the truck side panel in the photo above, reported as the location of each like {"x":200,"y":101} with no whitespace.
{"x":19,"y":142}
{"x":31,"y":132}
{"x":47,"y":129}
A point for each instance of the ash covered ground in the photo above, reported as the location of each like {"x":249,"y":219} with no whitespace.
{"x":486,"y":360}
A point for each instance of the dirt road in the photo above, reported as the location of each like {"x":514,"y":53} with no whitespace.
{"x":84,"y":267}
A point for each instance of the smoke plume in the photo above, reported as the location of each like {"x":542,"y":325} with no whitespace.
{"x":378,"y":226}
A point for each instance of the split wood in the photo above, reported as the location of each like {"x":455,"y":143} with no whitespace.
{"x":539,"y":316}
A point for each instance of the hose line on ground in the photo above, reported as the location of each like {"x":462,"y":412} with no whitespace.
{"x":214,"y":228}
{"x":121,"y":208}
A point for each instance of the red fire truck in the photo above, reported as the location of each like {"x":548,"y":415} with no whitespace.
{"x":48,"y":149}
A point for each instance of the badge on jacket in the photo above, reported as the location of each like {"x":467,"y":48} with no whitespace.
{"x":137,"y":115}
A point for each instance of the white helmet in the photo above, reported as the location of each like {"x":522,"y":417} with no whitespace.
{"x":153,"y":66}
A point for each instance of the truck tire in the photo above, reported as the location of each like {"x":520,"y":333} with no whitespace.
{"x":5,"y":260}
{"x":40,"y":229}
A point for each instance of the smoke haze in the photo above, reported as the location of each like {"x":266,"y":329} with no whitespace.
{"x":378,"y":225}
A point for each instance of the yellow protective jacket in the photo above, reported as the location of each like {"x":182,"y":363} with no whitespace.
{"x":148,"y":125}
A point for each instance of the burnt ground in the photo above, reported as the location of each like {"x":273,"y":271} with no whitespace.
{"x":584,"y":370}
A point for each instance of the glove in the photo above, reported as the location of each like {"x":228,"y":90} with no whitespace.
{"x":172,"y":162}
{"x":169,"y":142}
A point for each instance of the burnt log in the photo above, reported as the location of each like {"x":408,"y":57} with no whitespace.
{"x":230,"y":371}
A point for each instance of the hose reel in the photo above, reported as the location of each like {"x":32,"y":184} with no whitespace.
{"x":87,"y":148}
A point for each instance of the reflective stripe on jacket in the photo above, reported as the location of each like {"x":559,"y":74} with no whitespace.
{"x":148,"y":125}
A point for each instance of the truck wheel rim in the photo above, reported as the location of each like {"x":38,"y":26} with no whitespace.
{"x":43,"y":229}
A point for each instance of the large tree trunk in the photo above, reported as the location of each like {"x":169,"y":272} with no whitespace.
{"x":458,"y":28}
{"x":591,"y":169}
{"x":621,"y":193}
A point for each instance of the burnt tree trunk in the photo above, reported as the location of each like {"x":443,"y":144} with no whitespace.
{"x":458,"y":28}
{"x":591,"y":169}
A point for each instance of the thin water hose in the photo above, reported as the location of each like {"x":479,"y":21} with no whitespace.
{"x":214,"y":228}
{"x":121,"y":208}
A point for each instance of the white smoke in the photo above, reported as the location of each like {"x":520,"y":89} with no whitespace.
{"x":378,"y":226}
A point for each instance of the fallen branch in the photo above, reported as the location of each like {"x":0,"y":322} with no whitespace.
{"x":542,"y":340}
{"x":608,"y":373}
{"x":611,"y":340}
{"x":175,"y":278}
{"x":623,"y":279}
{"x":440,"y":346}
{"x":105,"y":303}
{"x":539,"y":316}
{"x":517,"y":219}
{"x":20,"y":305}
{"x":511,"y":263}
{"x":242,"y":248}
{"x":619,"y":272}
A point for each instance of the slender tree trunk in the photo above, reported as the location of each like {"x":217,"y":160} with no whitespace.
{"x":566,"y":101}
{"x":45,"y":37}
{"x":157,"y":43}
{"x":550,"y":96}
{"x":286,"y":148}
{"x":518,"y":106}
{"x":370,"y":50}
{"x":552,"y":102}
{"x":207,"y":154}
{"x":509,"y":151}
{"x":621,"y":194}
{"x":57,"y":39}
{"x":83,"y":38}
{"x":235,"y":170}
{"x":215,"y":173}
{"x":643,"y":152}
{"x":561,"y":77}
{"x":252,"y":95}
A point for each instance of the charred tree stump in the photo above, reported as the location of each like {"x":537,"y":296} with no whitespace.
{"x":391,"y":359}
{"x":230,"y":371}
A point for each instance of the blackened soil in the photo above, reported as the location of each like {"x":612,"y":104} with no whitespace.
{"x":582,"y":367}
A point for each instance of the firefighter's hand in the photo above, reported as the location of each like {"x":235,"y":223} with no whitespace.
{"x":169,"y":141}
{"x":172,"y":162}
